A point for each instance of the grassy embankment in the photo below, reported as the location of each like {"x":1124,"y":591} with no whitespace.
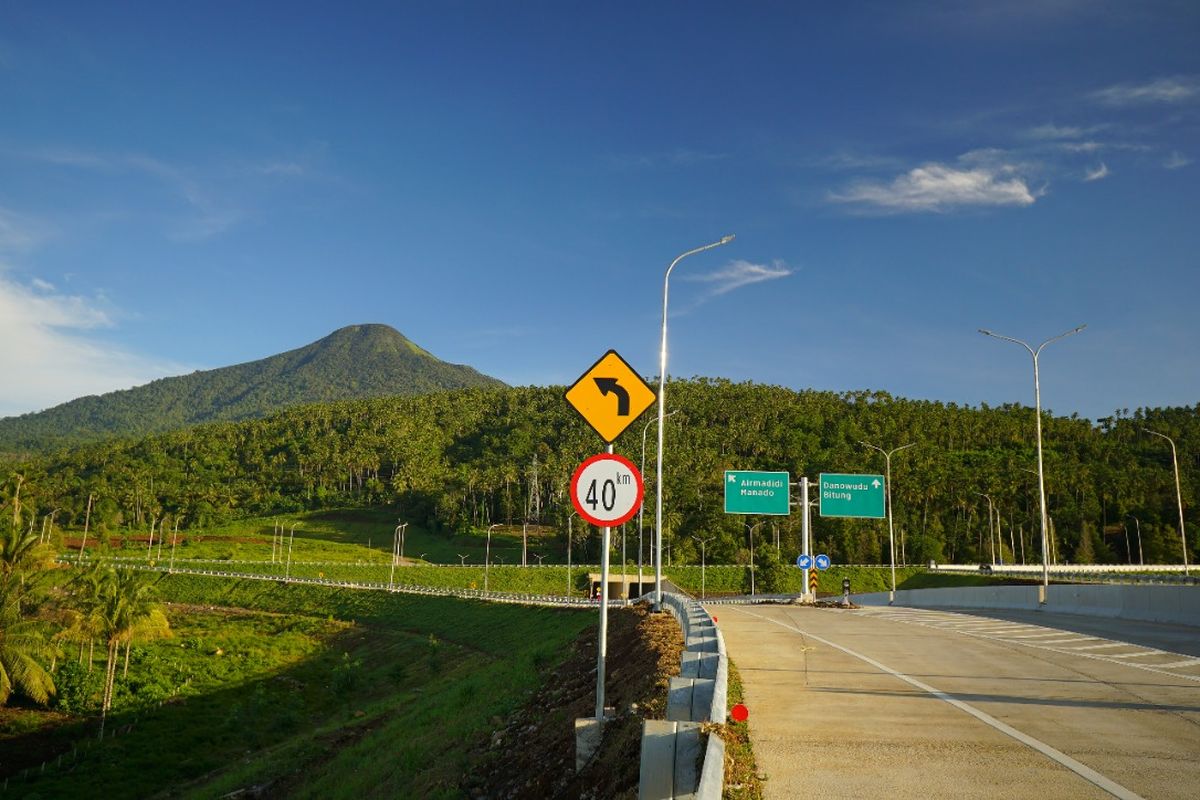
{"x":320,"y":692}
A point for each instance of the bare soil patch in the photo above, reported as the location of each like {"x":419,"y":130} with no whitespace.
{"x":532,"y":753}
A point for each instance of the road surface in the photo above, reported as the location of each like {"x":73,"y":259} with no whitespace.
{"x":906,"y":703}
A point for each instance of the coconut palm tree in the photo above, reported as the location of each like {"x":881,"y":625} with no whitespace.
{"x":24,"y":647}
{"x":126,"y":611}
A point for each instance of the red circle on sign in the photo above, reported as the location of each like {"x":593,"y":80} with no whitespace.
{"x":739,"y":713}
{"x":583,"y":512}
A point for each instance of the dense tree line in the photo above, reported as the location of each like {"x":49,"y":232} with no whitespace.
{"x":464,"y":459}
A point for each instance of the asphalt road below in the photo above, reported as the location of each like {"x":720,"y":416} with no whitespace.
{"x":907,"y":703}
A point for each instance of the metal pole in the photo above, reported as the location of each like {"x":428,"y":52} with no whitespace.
{"x":1138,"y":528}
{"x":662,"y":403}
{"x":804,"y":528}
{"x":569,"y":520}
{"x":887,"y":489}
{"x":287,"y":572}
{"x":487,"y":556}
{"x":752,"y":527}
{"x":1037,"y":402}
{"x":602,"y":638}
{"x":1178,"y":496}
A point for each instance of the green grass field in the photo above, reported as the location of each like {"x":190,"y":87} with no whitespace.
{"x":364,"y":694}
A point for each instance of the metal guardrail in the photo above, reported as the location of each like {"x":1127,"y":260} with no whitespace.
{"x":672,"y":764}
{"x":431,"y":591}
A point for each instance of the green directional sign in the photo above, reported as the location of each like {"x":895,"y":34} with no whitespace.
{"x":752,"y":492}
{"x":852,"y":496}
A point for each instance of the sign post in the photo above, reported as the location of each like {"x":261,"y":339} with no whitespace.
{"x":607,"y":489}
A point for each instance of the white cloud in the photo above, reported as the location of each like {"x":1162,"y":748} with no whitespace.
{"x":49,"y":353}
{"x":938,"y":187}
{"x":740,"y":273}
{"x":1177,"y":160}
{"x":1097,"y":173}
{"x":1177,"y":89}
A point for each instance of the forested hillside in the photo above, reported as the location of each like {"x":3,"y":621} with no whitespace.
{"x":352,"y":362}
{"x":464,"y":459}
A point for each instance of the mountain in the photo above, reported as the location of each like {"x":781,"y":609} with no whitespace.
{"x":353,"y":362}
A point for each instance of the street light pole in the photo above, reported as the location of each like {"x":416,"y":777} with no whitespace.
{"x":703,"y":543}
{"x":991,"y":512}
{"x":1178,"y":495}
{"x":887,"y":488}
{"x":1037,"y":402}
{"x":642,"y":507}
{"x":662,"y":401}
{"x":752,"y":527}
{"x":1138,"y":527}
{"x":487,"y":555}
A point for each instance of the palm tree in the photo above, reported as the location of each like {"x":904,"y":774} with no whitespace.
{"x":23,"y":648}
{"x":126,"y":611}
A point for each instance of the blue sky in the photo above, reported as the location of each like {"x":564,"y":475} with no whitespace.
{"x":188,"y":186}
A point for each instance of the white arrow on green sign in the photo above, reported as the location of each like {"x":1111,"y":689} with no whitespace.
{"x":753,"y":492}
{"x":852,"y":496}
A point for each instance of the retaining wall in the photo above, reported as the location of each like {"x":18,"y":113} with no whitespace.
{"x":669,"y":765}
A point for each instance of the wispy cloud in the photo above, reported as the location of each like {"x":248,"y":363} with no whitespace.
{"x":1176,"y":89}
{"x":1052,"y":132}
{"x":49,"y":352}
{"x":1176,"y":160}
{"x":681,"y":157}
{"x":19,"y":233}
{"x":981,"y":181}
{"x":1096,"y":173}
{"x":207,"y":214}
{"x":739,"y":273}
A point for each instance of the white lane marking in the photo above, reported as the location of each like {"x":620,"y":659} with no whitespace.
{"x":1080,"y":769}
{"x":1138,"y":655}
{"x":1159,"y":669}
{"x":1044,"y":636}
{"x":1100,"y":646}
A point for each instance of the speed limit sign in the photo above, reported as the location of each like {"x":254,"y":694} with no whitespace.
{"x":607,"y":490}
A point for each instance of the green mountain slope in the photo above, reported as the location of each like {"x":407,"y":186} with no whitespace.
{"x":353,"y":362}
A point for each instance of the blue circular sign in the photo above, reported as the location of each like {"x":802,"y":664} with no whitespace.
{"x":804,"y":562}
{"x":823,"y":561}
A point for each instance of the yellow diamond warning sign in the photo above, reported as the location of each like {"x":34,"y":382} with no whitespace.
{"x":610,"y":396}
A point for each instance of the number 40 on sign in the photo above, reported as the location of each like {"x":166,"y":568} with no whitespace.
{"x":606,"y":490}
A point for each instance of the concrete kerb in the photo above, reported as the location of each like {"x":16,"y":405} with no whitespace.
{"x":697,"y":696}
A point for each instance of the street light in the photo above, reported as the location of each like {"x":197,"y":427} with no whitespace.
{"x":703,"y":543}
{"x":991,"y":512}
{"x":487,"y":555}
{"x":642,"y":507}
{"x":751,"y":528}
{"x":887,"y":488}
{"x":662,"y":401}
{"x":463,"y":560}
{"x":1037,"y":402}
{"x":397,"y":537}
{"x":1138,"y":527}
{"x":1178,"y":494}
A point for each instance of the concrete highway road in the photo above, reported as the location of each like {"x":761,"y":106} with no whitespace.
{"x":905,"y":703}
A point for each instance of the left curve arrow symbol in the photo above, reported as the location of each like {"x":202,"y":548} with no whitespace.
{"x":607,"y":385}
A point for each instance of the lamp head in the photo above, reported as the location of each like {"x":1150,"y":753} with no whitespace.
{"x":727,"y":239}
